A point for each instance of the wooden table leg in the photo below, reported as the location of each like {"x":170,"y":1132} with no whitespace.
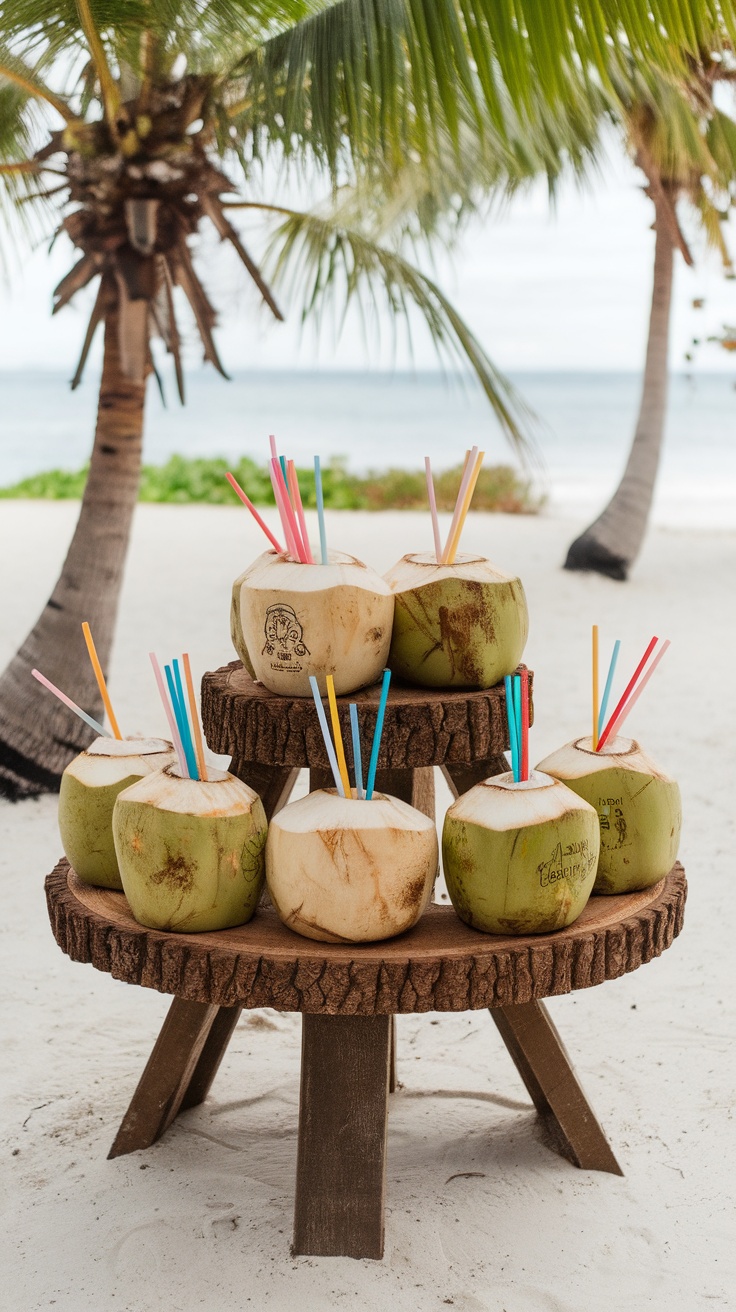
{"x":165,"y":1080}
{"x":221,"y":1032}
{"x":545,"y":1067}
{"x":341,"y":1161}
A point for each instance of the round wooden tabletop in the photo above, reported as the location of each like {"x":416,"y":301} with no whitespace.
{"x":422,"y":726}
{"x":440,"y":965}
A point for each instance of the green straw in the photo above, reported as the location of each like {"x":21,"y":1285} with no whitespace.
{"x":377,"y":733}
{"x":607,"y":689}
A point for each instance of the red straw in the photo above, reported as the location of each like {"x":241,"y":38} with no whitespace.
{"x":296,"y":498}
{"x":284,"y":509}
{"x":606,"y":732}
{"x":525,"y":724}
{"x":633,"y":699}
{"x":237,"y":489}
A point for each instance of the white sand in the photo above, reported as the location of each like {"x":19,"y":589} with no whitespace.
{"x":480,"y":1214}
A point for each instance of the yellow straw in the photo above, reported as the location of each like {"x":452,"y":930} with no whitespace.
{"x":454,"y":544}
{"x":595,"y":688}
{"x":198,"y":744}
{"x":100,"y":679}
{"x":342,"y":764}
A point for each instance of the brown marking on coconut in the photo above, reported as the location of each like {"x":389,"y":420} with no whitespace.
{"x":177,"y":872}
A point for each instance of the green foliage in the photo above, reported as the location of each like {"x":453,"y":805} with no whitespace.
{"x":182,"y":481}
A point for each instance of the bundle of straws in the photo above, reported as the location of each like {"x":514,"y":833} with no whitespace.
{"x":289,"y":502}
{"x":99,"y":676}
{"x":471,"y":469}
{"x":186,"y":736}
{"x":517,"y":714}
{"x":631,"y":694}
{"x":336,"y":752}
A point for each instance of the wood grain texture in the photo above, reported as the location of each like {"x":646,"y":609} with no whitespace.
{"x":439,"y":965}
{"x":422,"y":727}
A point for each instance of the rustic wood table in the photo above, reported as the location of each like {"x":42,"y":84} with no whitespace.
{"x":348,"y":996}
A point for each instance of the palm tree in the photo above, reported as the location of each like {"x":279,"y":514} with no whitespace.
{"x":685,"y":145}
{"x":127,"y":123}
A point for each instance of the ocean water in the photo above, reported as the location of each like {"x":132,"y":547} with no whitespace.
{"x":584,"y":426}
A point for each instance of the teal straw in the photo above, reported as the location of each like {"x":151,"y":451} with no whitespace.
{"x":282,"y":462}
{"x":326,"y":735}
{"x":357,"y":761}
{"x":511,"y":717}
{"x":607,"y":689}
{"x":187,"y":740}
{"x":182,"y":725}
{"x":517,"y":717}
{"x":377,"y":733}
{"x":320,"y":510}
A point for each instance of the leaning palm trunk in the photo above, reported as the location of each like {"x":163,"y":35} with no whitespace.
{"x":613,"y":541}
{"x":37,"y":742}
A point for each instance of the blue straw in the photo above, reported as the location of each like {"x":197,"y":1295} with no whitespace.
{"x":326,"y":735}
{"x":517,"y":717}
{"x":377,"y":733}
{"x":187,"y":740}
{"x":607,"y":689}
{"x":511,"y":717}
{"x":320,"y":510}
{"x":357,"y":761}
{"x":182,"y":724}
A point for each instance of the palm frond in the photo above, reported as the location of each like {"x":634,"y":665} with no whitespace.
{"x":13,"y":69}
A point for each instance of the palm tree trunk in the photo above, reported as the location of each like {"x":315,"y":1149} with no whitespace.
{"x":613,"y":541}
{"x":38,"y":735}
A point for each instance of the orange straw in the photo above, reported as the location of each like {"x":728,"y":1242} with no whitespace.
{"x":337,"y":735}
{"x":595,"y":687}
{"x":198,"y":744}
{"x":296,"y":498}
{"x":467,"y":470}
{"x":455,"y":541}
{"x":626,"y":693}
{"x":100,"y":679}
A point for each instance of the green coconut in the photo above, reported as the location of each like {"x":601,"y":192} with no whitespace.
{"x":342,"y":870}
{"x":89,"y":786}
{"x":455,"y":626}
{"x":290,"y":621}
{"x":638,"y":806}
{"x":520,"y":858}
{"x":190,"y":851}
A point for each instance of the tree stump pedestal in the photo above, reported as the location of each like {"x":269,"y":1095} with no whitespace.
{"x":349,"y":995}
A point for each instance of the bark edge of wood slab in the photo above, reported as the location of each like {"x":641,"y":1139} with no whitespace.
{"x":439,"y":965}
{"x":422,"y":726}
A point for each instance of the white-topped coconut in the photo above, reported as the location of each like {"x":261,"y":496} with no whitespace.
{"x":347,"y":871}
{"x":638,"y":806}
{"x":289,"y":621}
{"x":520,"y":858}
{"x":89,"y":787}
{"x":190,"y":851}
{"x":455,"y":626}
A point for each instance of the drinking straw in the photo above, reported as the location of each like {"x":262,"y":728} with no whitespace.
{"x":636,"y":694}
{"x":182,"y":726}
{"x":625,"y":696}
{"x":100,"y":679}
{"x":169,"y":713}
{"x":237,"y":489}
{"x":337,"y":735}
{"x":377,"y":734}
{"x":289,"y":511}
{"x":451,"y":551}
{"x":93,"y":724}
{"x":186,"y":733}
{"x":287,"y":517}
{"x":326,"y":735}
{"x":198,"y":744}
{"x":296,"y":497}
{"x":433,"y":510}
{"x":320,"y":510}
{"x":595,"y":686}
{"x":357,"y":759}
{"x":609,"y":682}
{"x":467,"y":471}
{"x":283,"y":512}
{"x":511,"y":717}
{"x":525,"y":724}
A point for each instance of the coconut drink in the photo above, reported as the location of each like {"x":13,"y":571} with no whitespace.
{"x":344,"y":870}
{"x":459,"y":625}
{"x":90,"y":785}
{"x":190,"y":851}
{"x":638,"y":807}
{"x":520,"y":857}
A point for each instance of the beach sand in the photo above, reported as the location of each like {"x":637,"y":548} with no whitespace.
{"x":480,"y":1214}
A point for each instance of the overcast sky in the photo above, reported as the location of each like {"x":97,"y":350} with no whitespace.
{"x":543,"y":291}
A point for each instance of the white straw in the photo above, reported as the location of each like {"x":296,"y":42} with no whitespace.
{"x":326,"y":735}
{"x":433,"y":510}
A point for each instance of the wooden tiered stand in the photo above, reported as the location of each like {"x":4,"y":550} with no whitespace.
{"x":348,"y":996}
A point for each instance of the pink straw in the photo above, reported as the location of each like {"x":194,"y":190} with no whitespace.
{"x":296,"y":498}
{"x":433,"y":510}
{"x":278,"y":491}
{"x":237,"y":489}
{"x":467,"y":475}
{"x":169,"y":715}
{"x":93,"y":724}
{"x":633,"y":699}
